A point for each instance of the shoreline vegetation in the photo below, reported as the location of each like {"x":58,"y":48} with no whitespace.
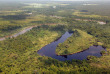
{"x":76,"y":52}
{"x":78,"y":42}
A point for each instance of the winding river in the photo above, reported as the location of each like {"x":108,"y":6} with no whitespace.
{"x":17,"y":34}
{"x":49,"y":50}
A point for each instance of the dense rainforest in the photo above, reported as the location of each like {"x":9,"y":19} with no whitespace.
{"x":89,"y":23}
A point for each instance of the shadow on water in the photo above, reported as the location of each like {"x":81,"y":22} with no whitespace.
{"x":49,"y":50}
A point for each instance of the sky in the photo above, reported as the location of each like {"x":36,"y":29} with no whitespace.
{"x":54,"y":0}
{"x":71,"y":0}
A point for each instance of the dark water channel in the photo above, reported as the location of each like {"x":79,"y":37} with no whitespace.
{"x":49,"y":50}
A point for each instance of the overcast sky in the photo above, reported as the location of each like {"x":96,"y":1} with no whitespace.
{"x":54,"y":0}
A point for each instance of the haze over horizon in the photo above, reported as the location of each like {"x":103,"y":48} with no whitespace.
{"x":54,"y":0}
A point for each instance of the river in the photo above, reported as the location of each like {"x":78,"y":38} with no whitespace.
{"x":17,"y":34}
{"x":49,"y":50}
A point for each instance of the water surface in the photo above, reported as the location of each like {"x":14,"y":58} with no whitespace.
{"x":49,"y":50}
{"x":17,"y":34}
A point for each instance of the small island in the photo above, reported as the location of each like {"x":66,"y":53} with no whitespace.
{"x":79,"y":41}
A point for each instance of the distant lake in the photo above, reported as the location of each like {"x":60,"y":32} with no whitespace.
{"x":49,"y":50}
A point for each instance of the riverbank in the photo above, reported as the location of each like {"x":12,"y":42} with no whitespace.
{"x":49,"y":50}
{"x":78,"y":42}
